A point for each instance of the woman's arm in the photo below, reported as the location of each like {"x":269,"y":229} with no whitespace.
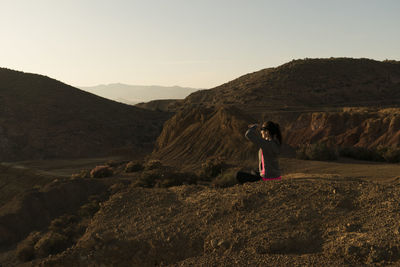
{"x":253,"y":136}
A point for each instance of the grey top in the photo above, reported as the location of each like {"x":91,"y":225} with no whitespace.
{"x":270,"y":149}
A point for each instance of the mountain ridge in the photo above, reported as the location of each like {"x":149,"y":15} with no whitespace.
{"x":299,"y":95}
{"x":134,"y":94}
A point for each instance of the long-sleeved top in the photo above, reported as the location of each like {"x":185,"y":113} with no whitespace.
{"x":268,"y":154}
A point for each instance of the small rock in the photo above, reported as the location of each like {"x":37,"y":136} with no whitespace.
{"x":397,"y":230}
{"x":224,"y":243}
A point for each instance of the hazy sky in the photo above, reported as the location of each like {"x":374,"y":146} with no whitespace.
{"x":195,"y":43}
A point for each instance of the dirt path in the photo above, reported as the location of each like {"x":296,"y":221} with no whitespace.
{"x":60,"y":168}
{"x":344,"y":167}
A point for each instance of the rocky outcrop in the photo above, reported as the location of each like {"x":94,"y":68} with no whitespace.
{"x":351,"y":127}
{"x":195,"y":134}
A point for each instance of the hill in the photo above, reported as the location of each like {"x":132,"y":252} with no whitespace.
{"x":198,"y":133}
{"x":133,"y":94}
{"x":310,"y":83}
{"x":296,"y":222}
{"x":44,"y":118}
{"x":309,"y":98}
{"x":167,"y":105}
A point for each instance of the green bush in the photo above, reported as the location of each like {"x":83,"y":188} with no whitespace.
{"x":317,"y":151}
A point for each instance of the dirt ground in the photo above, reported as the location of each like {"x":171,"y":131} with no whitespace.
{"x":339,"y":213}
{"x":294,"y":222}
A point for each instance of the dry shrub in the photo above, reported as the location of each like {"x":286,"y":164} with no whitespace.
{"x":211,"y":168}
{"x":164,"y":178}
{"x":153,"y":165}
{"x":318,"y":151}
{"x":64,"y":224}
{"x":25,"y":249}
{"x":225,"y":179}
{"x":51,"y":243}
{"x":360,"y":153}
{"x":81,"y":174}
{"x":115,"y":163}
{"x":89,"y":209}
{"x":381,"y":153}
{"x":134,"y":166}
{"x":101,"y":171}
{"x":390,"y":154}
{"x":176,"y":178}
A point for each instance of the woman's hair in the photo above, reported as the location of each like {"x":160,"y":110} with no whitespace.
{"x":273,"y":129}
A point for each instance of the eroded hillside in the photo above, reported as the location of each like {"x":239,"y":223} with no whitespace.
{"x":340,"y":101}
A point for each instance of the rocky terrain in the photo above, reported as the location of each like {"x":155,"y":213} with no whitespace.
{"x":41,"y":118}
{"x":180,"y":205}
{"x":295,"y":222}
{"x":340,"y":101}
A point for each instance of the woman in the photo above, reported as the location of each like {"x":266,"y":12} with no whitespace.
{"x":269,"y":144}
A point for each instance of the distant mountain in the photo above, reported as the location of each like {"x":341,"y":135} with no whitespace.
{"x":134,"y":94}
{"x":44,"y":118}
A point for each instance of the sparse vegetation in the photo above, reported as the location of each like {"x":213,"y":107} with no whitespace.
{"x":153,"y":164}
{"x":101,"y":172}
{"x":62,"y":233}
{"x":164,"y":177}
{"x":360,"y":153}
{"x":82,"y":174}
{"x":211,"y":168}
{"x":51,"y":243}
{"x":381,"y":153}
{"x":134,"y":166}
{"x":225,"y":179}
{"x":317,"y":151}
{"x":390,"y":154}
{"x":25,"y":249}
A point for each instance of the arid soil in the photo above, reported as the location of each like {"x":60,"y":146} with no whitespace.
{"x":294,"y":222}
{"x":340,"y":213}
{"x":333,"y":213}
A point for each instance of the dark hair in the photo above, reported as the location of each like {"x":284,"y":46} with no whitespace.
{"x":273,"y":129}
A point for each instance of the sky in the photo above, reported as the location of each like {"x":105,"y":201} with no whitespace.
{"x":191,"y":43}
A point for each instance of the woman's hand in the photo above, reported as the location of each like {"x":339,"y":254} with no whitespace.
{"x":253,"y":125}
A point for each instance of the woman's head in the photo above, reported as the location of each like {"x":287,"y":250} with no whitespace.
{"x":270,"y":130}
